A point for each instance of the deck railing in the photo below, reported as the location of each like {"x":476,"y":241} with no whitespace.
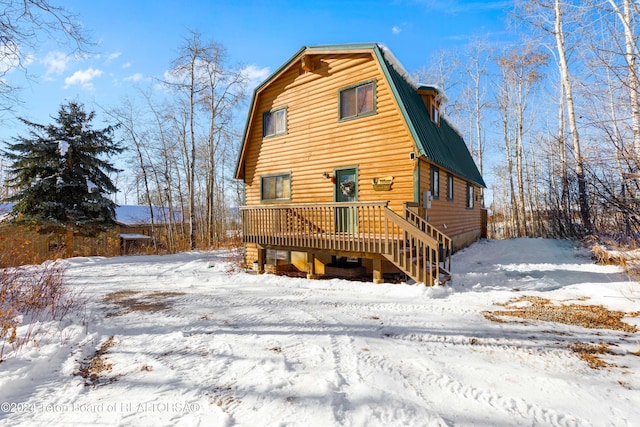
{"x":365,"y":228}
{"x":354,"y":227}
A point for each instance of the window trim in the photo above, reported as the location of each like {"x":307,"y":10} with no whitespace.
{"x":374,"y":107}
{"x":470,"y":196}
{"x":435,"y":114}
{"x":274,"y":175}
{"x":450,"y":187}
{"x":271,"y":112}
{"x":435,"y":190}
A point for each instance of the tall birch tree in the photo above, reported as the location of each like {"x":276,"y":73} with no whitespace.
{"x":567,"y":89}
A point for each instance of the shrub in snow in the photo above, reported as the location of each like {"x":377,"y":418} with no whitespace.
{"x":33,"y":299}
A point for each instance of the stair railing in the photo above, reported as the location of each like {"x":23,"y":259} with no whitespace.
{"x":410,"y":249}
{"x":444,"y":241}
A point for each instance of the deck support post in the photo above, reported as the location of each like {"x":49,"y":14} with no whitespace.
{"x":262,"y":256}
{"x":311,"y":266}
{"x":377,"y":271}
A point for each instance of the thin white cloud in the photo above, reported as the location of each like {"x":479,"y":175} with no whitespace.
{"x":137,"y":77}
{"x":179,"y":74}
{"x":127,"y":65}
{"x":255,"y":75}
{"x":28,"y":59}
{"x":396,"y":30}
{"x":56,"y":62}
{"x":83,"y":78}
{"x":113,"y":56}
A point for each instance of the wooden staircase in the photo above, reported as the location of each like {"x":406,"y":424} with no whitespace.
{"x":417,"y":248}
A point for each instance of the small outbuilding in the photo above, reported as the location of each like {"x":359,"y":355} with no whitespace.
{"x":135,"y":232}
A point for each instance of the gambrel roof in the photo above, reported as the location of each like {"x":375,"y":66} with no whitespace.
{"x":440,"y":144}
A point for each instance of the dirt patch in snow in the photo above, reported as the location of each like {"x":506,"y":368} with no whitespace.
{"x":134,"y":301}
{"x":586,"y":316}
{"x":94,"y":369}
{"x":590,"y":353}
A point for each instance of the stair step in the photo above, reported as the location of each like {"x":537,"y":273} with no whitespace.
{"x":445,"y":276}
{"x":406,"y":250}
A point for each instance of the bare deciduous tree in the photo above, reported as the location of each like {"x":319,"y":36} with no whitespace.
{"x":23,"y":24}
{"x":521,"y":71}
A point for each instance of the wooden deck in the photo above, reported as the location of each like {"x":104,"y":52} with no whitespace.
{"x":368,"y":230}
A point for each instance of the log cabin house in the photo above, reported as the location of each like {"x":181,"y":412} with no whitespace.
{"x":349,"y":167}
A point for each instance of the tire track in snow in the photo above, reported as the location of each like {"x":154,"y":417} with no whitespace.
{"x":422,"y":377}
{"x":335,"y":365}
{"x":214,"y":368}
{"x":267,"y":330}
{"x":356,"y":399}
{"x":505,"y":343}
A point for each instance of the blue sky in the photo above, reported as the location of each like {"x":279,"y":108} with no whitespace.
{"x":137,"y":39}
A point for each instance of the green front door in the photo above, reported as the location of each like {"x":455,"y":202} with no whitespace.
{"x":346,"y":190}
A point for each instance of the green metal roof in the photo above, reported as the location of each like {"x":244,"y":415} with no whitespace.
{"x":441,"y":144}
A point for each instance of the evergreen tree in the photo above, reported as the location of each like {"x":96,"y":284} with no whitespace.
{"x":60,"y":174}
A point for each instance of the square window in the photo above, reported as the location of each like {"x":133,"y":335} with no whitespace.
{"x":274,"y":122}
{"x":275,"y":187}
{"x":357,"y":101}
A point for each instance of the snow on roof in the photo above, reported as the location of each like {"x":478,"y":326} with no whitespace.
{"x":125,"y":215}
{"x":393,"y":61}
{"x":134,"y":236}
{"x":135,"y":214}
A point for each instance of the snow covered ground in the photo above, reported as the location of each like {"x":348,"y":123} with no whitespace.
{"x":196,"y":342}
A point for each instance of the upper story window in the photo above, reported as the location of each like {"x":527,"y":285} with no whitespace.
{"x":435,"y":114}
{"x":358,"y":100}
{"x":274,"y":122}
{"x":449,"y":187}
{"x":275,"y":187}
{"x":470,"y":196}
{"x":435,"y":182}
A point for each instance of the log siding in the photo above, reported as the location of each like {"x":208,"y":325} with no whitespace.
{"x":452,"y":217}
{"x":317,"y":140}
